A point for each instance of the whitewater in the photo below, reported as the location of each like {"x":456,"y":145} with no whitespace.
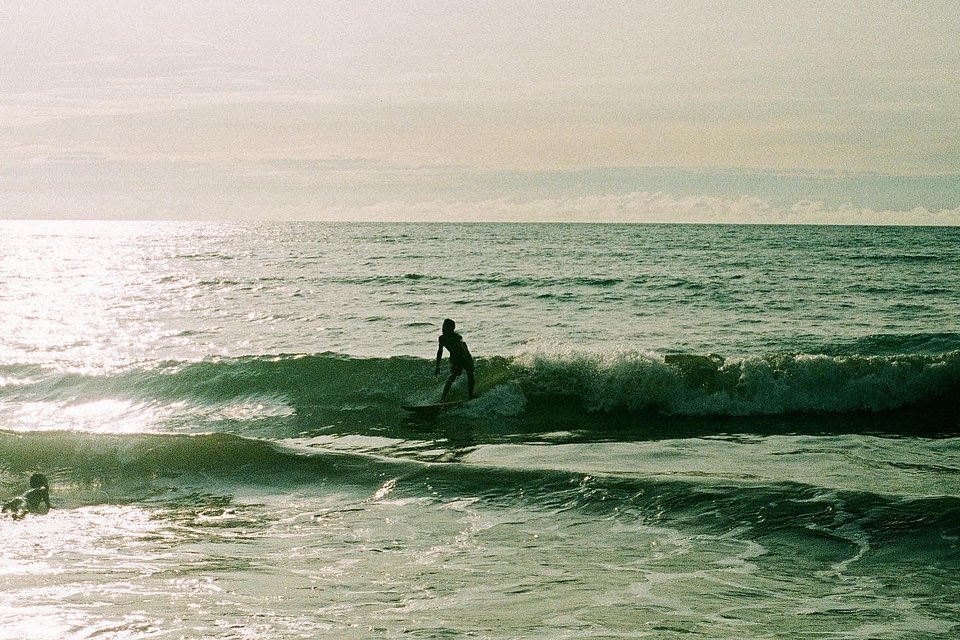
{"x":719,"y":430}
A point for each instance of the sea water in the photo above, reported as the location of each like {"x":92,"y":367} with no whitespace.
{"x":711,"y":431}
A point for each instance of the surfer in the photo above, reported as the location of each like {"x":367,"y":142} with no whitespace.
{"x":460,"y":358}
{"x":36,"y":500}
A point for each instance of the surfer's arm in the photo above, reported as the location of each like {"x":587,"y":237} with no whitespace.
{"x":439,"y":358}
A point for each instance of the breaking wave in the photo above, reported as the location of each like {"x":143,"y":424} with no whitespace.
{"x":282,"y":395}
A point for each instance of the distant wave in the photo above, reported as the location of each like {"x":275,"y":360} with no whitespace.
{"x":891,"y":344}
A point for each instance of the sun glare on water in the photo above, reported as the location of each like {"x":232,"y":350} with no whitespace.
{"x":81,"y":299}
{"x":61,"y":560}
{"x":67,"y":293}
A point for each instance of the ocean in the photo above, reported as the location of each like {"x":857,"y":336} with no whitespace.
{"x":682,"y":431}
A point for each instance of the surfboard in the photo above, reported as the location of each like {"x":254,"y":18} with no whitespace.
{"x":430,"y":409}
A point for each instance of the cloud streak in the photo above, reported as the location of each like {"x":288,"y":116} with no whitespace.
{"x":648,"y":207}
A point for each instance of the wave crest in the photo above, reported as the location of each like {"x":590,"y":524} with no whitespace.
{"x":697,"y":385}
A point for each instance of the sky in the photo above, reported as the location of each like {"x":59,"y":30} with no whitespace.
{"x":637,"y":111}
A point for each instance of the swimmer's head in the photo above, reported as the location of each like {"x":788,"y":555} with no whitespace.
{"x":39,"y":480}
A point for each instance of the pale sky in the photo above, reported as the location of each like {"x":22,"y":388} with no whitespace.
{"x":623,"y":110}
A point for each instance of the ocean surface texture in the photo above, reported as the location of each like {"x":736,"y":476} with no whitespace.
{"x":683,"y":431}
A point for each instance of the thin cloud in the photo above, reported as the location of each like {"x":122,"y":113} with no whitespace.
{"x":643,"y":207}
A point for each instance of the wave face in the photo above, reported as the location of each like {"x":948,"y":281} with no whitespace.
{"x":281,"y":396}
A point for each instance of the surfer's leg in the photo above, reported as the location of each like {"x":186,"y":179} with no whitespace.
{"x":470,"y":382}
{"x":446,"y":387}
{"x":455,"y":370}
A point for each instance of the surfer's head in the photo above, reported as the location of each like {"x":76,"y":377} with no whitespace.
{"x":39,"y":480}
{"x":449,"y":325}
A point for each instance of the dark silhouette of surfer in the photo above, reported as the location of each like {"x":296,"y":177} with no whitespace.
{"x":460,"y":358}
{"x":36,"y":500}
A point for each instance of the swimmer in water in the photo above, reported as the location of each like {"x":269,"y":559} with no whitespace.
{"x":36,"y":500}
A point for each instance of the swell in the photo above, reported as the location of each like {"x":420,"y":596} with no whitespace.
{"x":507,"y":282}
{"x":168,"y":469}
{"x":897,"y":344}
